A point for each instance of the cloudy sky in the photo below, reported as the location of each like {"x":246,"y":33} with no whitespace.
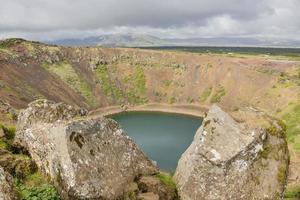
{"x":57,"y":19}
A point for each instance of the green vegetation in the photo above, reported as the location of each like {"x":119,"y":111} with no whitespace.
{"x":281,"y":175}
{"x":10,"y":42}
{"x":220,"y":92}
{"x":265,"y":153}
{"x":9,"y":132}
{"x":240,"y":52}
{"x":30,"y":184}
{"x":35,"y":187}
{"x":66,"y":73}
{"x":139,"y":79}
{"x":109,"y":86}
{"x":166,"y":180}
{"x":167,"y":83}
{"x":205,"y":94}
{"x":30,"y":48}
{"x":134,"y":85}
{"x":136,"y":95}
{"x":292,"y":192}
{"x":190,"y":100}
{"x":291,"y":117}
{"x":172,"y":100}
{"x":209,"y":65}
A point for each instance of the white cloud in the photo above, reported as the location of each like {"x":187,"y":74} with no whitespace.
{"x":44,"y":19}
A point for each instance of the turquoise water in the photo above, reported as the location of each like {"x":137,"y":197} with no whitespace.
{"x":163,"y":137}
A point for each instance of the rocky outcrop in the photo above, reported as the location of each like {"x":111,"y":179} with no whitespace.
{"x":85,"y":158}
{"x":7,"y":191}
{"x":231,"y":160}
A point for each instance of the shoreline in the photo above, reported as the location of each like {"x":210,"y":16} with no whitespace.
{"x":183,"y":109}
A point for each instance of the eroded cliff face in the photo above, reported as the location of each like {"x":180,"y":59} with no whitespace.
{"x":96,"y":77}
{"x":231,"y":160}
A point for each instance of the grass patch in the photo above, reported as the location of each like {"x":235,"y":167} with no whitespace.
{"x":291,"y":117}
{"x":172,"y":100}
{"x":9,"y":135}
{"x":67,"y":74}
{"x":292,"y":192}
{"x":3,"y":144}
{"x":220,"y":92}
{"x":205,"y":94}
{"x":167,"y":180}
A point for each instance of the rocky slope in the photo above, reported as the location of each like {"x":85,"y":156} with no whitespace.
{"x":90,"y":157}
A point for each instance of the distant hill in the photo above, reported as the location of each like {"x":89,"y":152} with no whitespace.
{"x":144,"y":40}
{"x":114,"y":40}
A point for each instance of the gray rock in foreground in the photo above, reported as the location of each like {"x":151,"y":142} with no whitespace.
{"x":230,"y":160}
{"x":85,"y":158}
{"x":7,"y":191}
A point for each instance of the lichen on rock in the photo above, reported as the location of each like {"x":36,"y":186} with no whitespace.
{"x":226,"y":161}
{"x":7,"y":191}
{"x":85,"y":158}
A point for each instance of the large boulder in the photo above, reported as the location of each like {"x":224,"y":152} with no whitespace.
{"x":232,"y":160}
{"x":7,"y":191}
{"x":86,"y":158}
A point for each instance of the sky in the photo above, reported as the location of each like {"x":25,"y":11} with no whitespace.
{"x":60,"y":19}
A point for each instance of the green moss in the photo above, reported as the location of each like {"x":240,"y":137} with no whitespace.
{"x":281,"y":175}
{"x":205,"y":94}
{"x":3,"y":144}
{"x":67,"y":74}
{"x":272,"y":130}
{"x":292,"y":192}
{"x":7,"y":140}
{"x":167,"y":180}
{"x":265,"y":153}
{"x":130,"y":196}
{"x":220,"y":92}
{"x":58,"y":176}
